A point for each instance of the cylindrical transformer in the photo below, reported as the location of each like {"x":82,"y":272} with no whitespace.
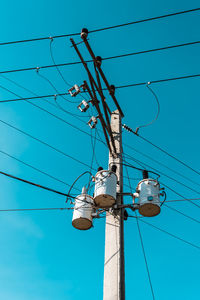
{"x":82,"y":215}
{"x":105,"y":188}
{"x":149,"y":197}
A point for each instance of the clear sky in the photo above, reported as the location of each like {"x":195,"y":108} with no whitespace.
{"x":42,"y":256}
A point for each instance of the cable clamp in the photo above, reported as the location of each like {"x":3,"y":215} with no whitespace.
{"x":37,"y":69}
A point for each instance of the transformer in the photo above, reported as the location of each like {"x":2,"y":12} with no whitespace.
{"x":83,"y":209}
{"x":149,"y":197}
{"x":105,"y":188}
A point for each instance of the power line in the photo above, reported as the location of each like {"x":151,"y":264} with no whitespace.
{"x":188,"y":187}
{"x":161,"y":164}
{"x":186,"y":199}
{"x":34,"y":168}
{"x":172,"y":235}
{"x":51,"y":114}
{"x":35,"y":209}
{"x":117,"y":87}
{"x":157,"y":81}
{"x":158,"y":109}
{"x":100,"y":29}
{"x":138,"y":161}
{"x":105,"y":58}
{"x":181,"y":213}
{"x":44,"y":143}
{"x":35,"y":184}
{"x":162,"y":150}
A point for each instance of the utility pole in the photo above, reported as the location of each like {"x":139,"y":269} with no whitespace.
{"x":114,"y":278}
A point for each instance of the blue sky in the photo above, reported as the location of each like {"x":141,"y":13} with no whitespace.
{"x":42,"y":256}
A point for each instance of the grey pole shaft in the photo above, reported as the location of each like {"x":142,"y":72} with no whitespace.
{"x":114,"y":277}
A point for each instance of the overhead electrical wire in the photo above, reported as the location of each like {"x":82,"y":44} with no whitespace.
{"x":35,"y":209}
{"x":117,"y":87}
{"x":161,"y":164}
{"x":181,"y":213}
{"x":71,"y":187}
{"x":44,"y":143}
{"x":186,"y":199}
{"x":47,"y":111}
{"x":55,"y":97}
{"x":160,"y":172}
{"x":147,"y":165}
{"x":90,"y":61}
{"x":158,"y":110}
{"x":36,"y":169}
{"x":35,"y":184}
{"x":162,"y":150}
{"x":54,"y":87}
{"x":101,"y":29}
{"x":170,"y":234}
{"x":55,"y":65}
{"x":46,"y":101}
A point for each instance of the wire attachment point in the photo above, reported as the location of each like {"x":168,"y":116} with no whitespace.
{"x":83,"y":106}
{"x":74,"y":91}
{"x":92,"y":122}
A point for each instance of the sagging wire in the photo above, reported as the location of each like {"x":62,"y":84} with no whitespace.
{"x":57,"y":68}
{"x":71,"y":187}
{"x":53,"y":86}
{"x":165,"y":195}
{"x":35,"y":184}
{"x":158,"y":111}
{"x":53,"y":60}
{"x":55,"y":96}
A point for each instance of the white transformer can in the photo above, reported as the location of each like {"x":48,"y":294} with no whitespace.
{"x":105,"y":188}
{"x":83,"y":209}
{"x":149,"y":197}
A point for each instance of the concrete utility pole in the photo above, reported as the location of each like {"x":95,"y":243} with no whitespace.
{"x":114,"y":279}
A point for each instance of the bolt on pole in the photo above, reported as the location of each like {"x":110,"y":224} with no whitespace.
{"x":114,"y":273}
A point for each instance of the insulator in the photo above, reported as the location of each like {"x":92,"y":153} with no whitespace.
{"x":98,"y":60}
{"x":92,"y":122}
{"x":83,"y":106}
{"x":99,"y":169}
{"x":105,"y":188}
{"x":84,"y":33}
{"x":145,"y":174}
{"x":114,"y":168}
{"x":83,"y":210}
{"x":112,"y":89}
{"x":149,"y":197}
{"x":74,"y":91}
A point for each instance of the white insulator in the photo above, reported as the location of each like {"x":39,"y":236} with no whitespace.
{"x":74,"y":91}
{"x":105,"y":188}
{"x":83,"y":209}
{"x":92,"y":122}
{"x":149,"y":197}
{"x":83,"y":106}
